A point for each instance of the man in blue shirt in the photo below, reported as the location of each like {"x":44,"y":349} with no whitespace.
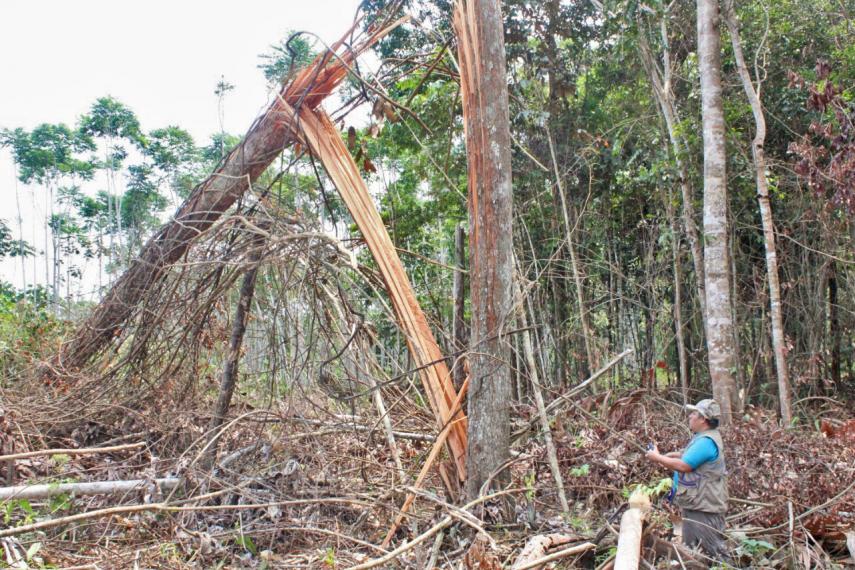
{"x":700,"y":480}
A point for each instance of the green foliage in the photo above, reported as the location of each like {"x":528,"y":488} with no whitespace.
{"x":286,"y":57}
{"x":28,"y":330}
{"x":530,"y":489}
{"x":246,"y":543}
{"x":111,"y":119}
{"x":20,"y":509}
{"x":580,"y":471}
{"x":10,"y":247}
{"x":329,"y":558}
{"x":49,"y":152}
{"x":755,"y":548}
{"x":653,"y":490}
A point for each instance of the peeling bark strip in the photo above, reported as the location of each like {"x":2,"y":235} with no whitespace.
{"x":326,"y":144}
{"x":719,"y":321}
{"x":484,"y":90}
{"x":267,"y":137}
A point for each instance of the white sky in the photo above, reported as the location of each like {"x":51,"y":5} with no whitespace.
{"x":161,"y":58}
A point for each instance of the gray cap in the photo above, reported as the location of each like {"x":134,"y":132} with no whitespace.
{"x":708,"y":408}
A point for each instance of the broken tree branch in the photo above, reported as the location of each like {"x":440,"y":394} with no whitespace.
{"x":44,"y":491}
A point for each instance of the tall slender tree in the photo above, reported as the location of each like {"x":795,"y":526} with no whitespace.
{"x":759,"y":154}
{"x":719,"y":321}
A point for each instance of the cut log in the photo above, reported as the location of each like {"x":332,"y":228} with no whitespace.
{"x":327,"y":145}
{"x":93,"y":488}
{"x":628,"y":554}
{"x":267,"y":137}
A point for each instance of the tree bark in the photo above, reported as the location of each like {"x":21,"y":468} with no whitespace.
{"x":44,"y":491}
{"x":267,"y":137}
{"x":459,"y":336}
{"x":776,"y":306}
{"x":481,"y":55}
{"x":719,"y":321}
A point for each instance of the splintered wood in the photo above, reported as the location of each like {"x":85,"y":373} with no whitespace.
{"x":327,"y":145}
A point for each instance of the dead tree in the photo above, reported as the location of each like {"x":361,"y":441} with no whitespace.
{"x":481,"y":54}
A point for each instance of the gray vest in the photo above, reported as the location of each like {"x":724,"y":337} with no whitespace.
{"x":705,"y":488}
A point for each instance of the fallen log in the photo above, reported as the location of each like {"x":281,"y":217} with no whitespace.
{"x":537,"y":547}
{"x":628,"y":554}
{"x":43,"y":491}
{"x":264,"y":141}
{"x":578,"y":549}
{"x":71,"y":451}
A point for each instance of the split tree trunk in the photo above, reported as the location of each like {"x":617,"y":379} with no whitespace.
{"x":267,"y":137}
{"x":719,"y":321}
{"x":484,"y":88}
{"x":326,"y":144}
{"x":778,"y":342}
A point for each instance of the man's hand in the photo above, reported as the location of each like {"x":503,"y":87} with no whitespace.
{"x":670,"y":460}
{"x":652,"y":452}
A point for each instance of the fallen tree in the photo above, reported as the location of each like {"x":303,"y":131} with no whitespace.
{"x":264,"y":141}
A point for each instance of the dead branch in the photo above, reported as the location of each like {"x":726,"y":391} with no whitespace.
{"x":71,"y":451}
{"x":578,"y":549}
{"x":43,"y":491}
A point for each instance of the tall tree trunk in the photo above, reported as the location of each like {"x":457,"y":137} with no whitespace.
{"x":267,"y":137}
{"x":483,"y":78}
{"x":778,"y":342}
{"x":570,"y":220}
{"x":720,"y":338}
{"x":459,"y":336}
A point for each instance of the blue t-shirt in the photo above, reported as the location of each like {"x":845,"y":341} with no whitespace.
{"x":701,"y":450}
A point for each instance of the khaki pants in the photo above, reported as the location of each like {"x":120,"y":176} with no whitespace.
{"x":705,"y":530}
